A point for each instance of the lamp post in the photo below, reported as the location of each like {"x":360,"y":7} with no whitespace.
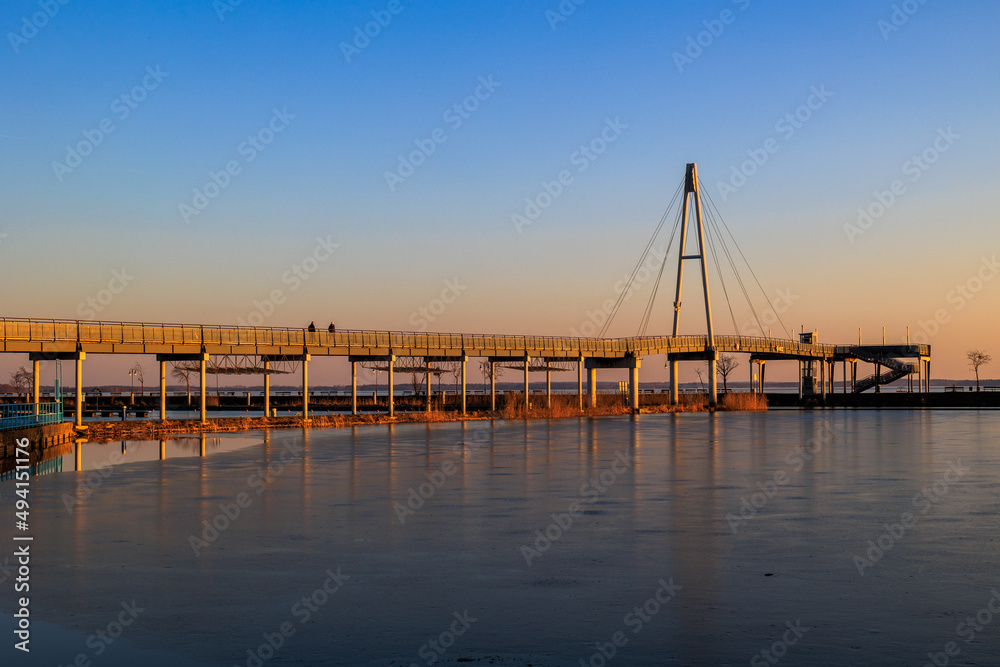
{"x":131,"y":396}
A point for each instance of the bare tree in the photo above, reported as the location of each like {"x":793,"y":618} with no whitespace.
{"x":137,"y":372}
{"x":181,"y":373}
{"x":726,"y":364}
{"x":976,"y":359}
{"x":21,"y":379}
{"x":700,"y":379}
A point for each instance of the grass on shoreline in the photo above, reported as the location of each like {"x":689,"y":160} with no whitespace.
{"x":562,"y":407}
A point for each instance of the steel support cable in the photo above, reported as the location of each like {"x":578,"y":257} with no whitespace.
{"x":718,"y":268}
{"x":732,"y":264}
{"x":647,"y":315}
{"x":750,"y":268}
{"x":638,"y":265}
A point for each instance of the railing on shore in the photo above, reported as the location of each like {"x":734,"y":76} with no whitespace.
{"x":26,"y":415}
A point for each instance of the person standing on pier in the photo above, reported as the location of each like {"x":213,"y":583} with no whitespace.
{"x":312,"y":326}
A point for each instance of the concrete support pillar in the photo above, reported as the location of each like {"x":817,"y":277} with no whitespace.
{"x":927,"y":376}
{"x":80,"y":356}
{"x":163,"y":450}
{"x":493,"y":386}
{"x":527,"y":389}
{"x":633,"y":387}
{"x":392,"y":403}
{"x":592,"y":386}
{"x":202,"y":388}
{"x":163,"y":391}
{"x":36,"y":392}
{"x":579,"y":380}
{"x":464,"y":359}
{"x":854,"y":375}
{"x":354,"y":387}
{"x":878,"y":372}
{"x":305,"y":387}
{"x":675,"y":383}
{"x":267,"y":388}
{"x":822,"y":379}
{"x":762,"y":365}
{"x":713,"y":383}
{"x":201,"y":448}
{"x":801,"y":371}
{"x":548,"y":387}
{"x":427,"y":381}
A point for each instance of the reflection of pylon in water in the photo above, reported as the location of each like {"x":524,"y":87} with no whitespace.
{"x":693,"y":193}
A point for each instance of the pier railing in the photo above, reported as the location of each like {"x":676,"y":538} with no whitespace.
{"x":26,"y":415}
{"x":73,"y":333}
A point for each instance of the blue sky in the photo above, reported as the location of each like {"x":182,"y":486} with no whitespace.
{"x":225,"y":77}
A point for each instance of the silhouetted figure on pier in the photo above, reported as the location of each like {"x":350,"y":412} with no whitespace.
{"x":312,"y":326}
{"x":331,"y":328}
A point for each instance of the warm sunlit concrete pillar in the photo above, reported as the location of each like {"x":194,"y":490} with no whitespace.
{"x":527,"y":389}
{"x":801,"y":370}
{"x":78,"y":457}
{"x":267,"y":387}
{"x":592,"y":386}
{"x":354,"y":387}
{"x":163,"y":391}
{"x":822,"y":379}
{"x":427,"y":381}
{"x":35,"y":385}
{"x":674,"y":380}
{"x":305,"y":387}
{"x":579,"y":381}
{"x":548,"y":386}
{"x":201,"y":448}
{"x":762,"y":366}
{"x":633,"y":386}
{"x":202,"y":388}
{"x":464,"y":359}
{"x":80,"y":356}
{"x":163,"y":450}
{"x":713,"y":382}
{"x":493,"y":386}
{"x":392,"y":405}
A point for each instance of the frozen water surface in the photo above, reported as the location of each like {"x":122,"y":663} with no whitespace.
{"x":820,"y":537}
